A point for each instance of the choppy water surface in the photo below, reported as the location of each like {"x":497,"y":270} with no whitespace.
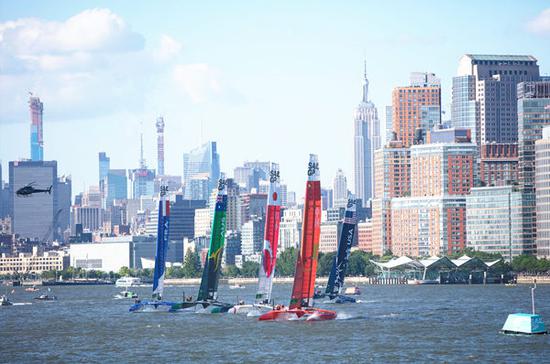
{"x":394,"y":323}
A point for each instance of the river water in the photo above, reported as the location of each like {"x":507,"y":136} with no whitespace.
{"x":392,"y":324}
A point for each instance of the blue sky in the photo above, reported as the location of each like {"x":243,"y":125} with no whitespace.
{"x":267,"y":80}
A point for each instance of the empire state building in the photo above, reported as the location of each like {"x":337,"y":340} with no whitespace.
{"x":366,"y":141}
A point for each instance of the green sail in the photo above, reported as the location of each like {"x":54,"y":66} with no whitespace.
{"x":212,"y":268}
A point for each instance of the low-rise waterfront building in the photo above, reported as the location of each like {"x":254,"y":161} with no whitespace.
{"x":113,"y":253}
{"x":36,"y":263}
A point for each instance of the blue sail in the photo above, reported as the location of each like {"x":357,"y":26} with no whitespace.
{"x":340,"y":264}
{"x":162,"y":247}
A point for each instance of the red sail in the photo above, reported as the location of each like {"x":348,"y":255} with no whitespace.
{"x":306,"y":262}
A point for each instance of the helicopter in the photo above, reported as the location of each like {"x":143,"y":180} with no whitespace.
{"x":29,"y":190}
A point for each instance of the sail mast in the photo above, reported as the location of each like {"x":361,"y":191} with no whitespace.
{"x":211,"y":273}
{"x":340,"y":264}
{"x":162,"y":244}
{"x":306,"y":262}
{"x":271,"y":237}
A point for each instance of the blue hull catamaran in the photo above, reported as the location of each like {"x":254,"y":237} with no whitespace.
{"x":157,"y":304}
{"x":335,"y":285}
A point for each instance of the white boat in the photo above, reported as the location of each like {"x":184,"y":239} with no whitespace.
{"x":128,"y":282}
{"x":354,"y":291}
{"x":4,"y":301}
{"x":236,"y":286}
{"x":422,"y":281}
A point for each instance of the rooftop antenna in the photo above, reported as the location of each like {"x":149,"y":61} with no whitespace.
{"x":141,"y":159}
{"x":366,"y":84}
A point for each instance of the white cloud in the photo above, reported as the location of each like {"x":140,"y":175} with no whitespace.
{"x":93,"y":64}
{"x":168,"y":49}
{"x":199,"y":80}
{"x":93,"y":30}
{"x":541,"y":23}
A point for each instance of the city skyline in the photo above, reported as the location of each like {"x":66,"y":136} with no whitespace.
{"x":200,"y":94}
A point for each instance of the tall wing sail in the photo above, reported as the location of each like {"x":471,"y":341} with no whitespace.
{"x":271,"y":237}
{"x":340,"y":264}
{"x":162,"y":244}
{"x":211,"y":274}
{"x":306,"y":262}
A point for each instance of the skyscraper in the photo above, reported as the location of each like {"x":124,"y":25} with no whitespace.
{"x":204,"y":159}
{"x":389,"y":125}
{"x":366,"y":141}
{"x":533,"y":114}
{"x":495,"y":222}
{"x":160,"y":145}
{"x":416,"y":106}
{"x":182,"y":217}
{"x":392,"y":171}
{"x":340,"y":194}
{"x":36,"y":108}
{"x":104,"y":165}
{"x":143,"y":179}
{"x":64,"y":203}
{"x":484,"y":95}
{"x":116,"y":186}
{"x":542,"y":185}
{"x":34,"y":217}
{"x":433,"y":220}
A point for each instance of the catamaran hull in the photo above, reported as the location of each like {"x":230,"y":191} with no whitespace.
{"x":250,"y":310}
{"x":184,"y":306}
{"x":308,"y":314}
{"x":342,"y":299}
{"x":213,"y":307}
{"x":160,"y":306}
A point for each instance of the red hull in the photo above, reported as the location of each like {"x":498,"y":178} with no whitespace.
{"x":310,"y":314}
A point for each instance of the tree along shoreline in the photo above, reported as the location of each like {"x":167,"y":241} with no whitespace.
{"x":359,"y":266}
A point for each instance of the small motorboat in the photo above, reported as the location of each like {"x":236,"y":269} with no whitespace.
{"x":354,"y":291}
{"x":236,"y":286}
{"x":5,"y":301}
{"x":127,"y":294}
{"x":31,"y":289}
{"x":45,"y":297}
{"x":128,"y":282}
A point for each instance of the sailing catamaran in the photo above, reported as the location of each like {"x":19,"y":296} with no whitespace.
{"x":335,"y":284}
{"x":157,"y":304}
{"x":306,"y":263}
{"x":208,"y":291}
{"x":269,"y":252}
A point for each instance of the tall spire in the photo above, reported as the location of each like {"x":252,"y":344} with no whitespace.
{"x":366,"y":84}
{"x":141,"y":159}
